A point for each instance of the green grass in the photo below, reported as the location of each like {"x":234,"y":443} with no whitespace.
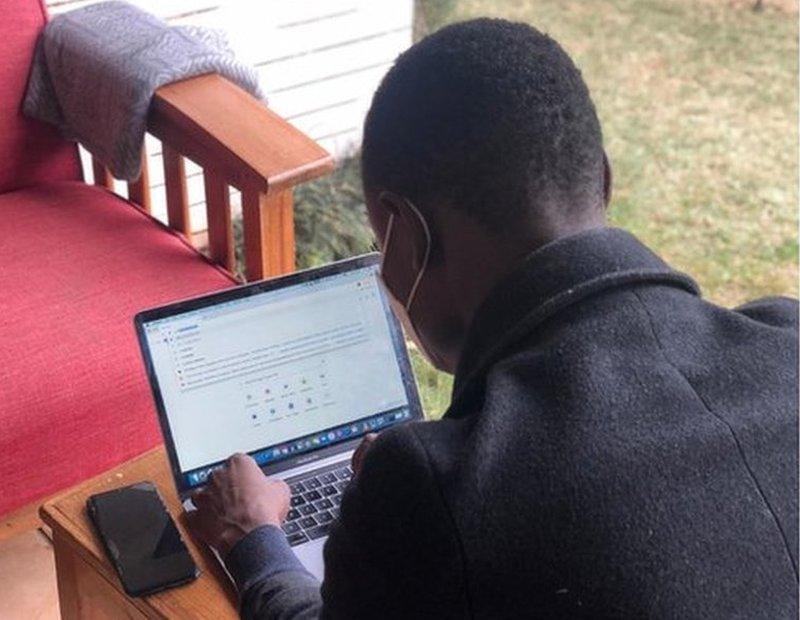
{"x":434,"y":387}
{"x":698,"y":100}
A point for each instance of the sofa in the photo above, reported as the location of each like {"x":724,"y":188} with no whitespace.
{"x":77,"y":261}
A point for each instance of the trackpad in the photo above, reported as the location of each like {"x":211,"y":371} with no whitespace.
{"x":310,"y":556}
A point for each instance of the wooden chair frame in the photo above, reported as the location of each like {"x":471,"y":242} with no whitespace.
{"x":238,"y":142}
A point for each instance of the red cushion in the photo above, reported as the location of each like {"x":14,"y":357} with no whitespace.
{"x":76,"y":264}
{"x":30,"y":152}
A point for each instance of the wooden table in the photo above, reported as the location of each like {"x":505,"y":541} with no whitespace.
{"x":88,"y":586}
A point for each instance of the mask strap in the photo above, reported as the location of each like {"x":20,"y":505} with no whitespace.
{"x":422,"y":269}
{"x":386,"y":239}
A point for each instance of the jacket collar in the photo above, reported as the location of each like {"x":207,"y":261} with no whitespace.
{"x":551,"y":278}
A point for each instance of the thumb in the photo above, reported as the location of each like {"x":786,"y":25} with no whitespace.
{"x":358,"y":455}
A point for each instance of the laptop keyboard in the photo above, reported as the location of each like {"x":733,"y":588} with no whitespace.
{"x":315,"y":502}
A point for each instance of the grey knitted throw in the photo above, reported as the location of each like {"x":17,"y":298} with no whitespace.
{"x":96,"y":69}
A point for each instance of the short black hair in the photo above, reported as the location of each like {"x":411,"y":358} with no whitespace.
{"x":490,"y":115}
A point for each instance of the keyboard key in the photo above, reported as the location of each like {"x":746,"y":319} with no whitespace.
{"x":308,"y":522}
{"x":312,"y":483}
{"x":335,"y":512}
{"x":319,"y":531}
{"x":329,"y":490}
{"x":297,"y":500}
{"x":323,"y":504}
{"x":297,"y":538}
{"x":324,"y":517}
{"x":292,"y":515}
{"x":307,"y":509}
{"x":328,"y":478}
{"x":340,"y":486}
{"x":297,"y":488}
{"x":312,"y":496}
{"x":345,"y":473}
{"x":337,"y":500}
{"x":290,"y":527}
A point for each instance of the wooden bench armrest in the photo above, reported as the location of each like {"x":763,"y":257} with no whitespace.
{"x":237,"y":141}
{"x":221,"y":127}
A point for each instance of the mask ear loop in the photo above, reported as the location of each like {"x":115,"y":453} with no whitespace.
{"x":386,"y":239}
{"x":422,"y":269}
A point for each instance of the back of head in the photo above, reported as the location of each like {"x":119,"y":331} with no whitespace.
{"x":492,"y":118}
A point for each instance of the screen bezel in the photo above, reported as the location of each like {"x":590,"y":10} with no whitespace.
{"x":257,"y":288}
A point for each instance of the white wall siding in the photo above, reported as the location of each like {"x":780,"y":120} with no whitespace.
{"x":318,"y":61}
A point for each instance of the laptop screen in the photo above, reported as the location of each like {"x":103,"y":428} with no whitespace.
{"x":279,"y":372}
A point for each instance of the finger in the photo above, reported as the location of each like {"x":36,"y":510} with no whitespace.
{"x":200,"y":499}
{"x":281,"y":484}
{"x":218,"y":478}
{"x":235,"y":459}
{"x":197,"y":525}
{"x":192,"y":519}
{"x":284,"y":499}
{"x":358,"y":455}
{"x":205,"y":501}
{"x":244,"y":462}
{"x":236,"y":464}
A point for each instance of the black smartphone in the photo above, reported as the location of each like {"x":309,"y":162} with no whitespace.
{"x":141,"y":539}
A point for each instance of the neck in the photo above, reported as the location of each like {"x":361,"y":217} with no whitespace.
{"x":477,"y":262}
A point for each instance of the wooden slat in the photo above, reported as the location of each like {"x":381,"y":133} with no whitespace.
{"x":323,"y":124}
{"x":327,"y":64}
{"x":177,"y":195}
{"x":102,"y":176}
{"x":268,"y":234}
{"x":139,"y":190}
{"x":220,"y":229}
{"x":315,"y":96}
{"x":343,"y":143}
{"x":218,"y":125}
{"x":263,"y":36}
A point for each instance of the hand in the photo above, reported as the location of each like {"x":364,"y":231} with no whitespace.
{"x":358,"y":455}
{"x":237,"y":500}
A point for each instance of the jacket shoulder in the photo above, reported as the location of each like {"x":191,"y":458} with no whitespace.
{"x":397,"y":454}
{"x":775,"y":311}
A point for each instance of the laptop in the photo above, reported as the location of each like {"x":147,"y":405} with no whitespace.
{"x":293,"y":371}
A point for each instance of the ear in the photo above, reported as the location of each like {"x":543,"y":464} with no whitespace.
{"x":409,"y":228}
{"x":607,"y":180}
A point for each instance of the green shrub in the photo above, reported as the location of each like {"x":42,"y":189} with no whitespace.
{"x":330,"y":217}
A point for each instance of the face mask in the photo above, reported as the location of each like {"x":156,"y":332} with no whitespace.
{"x":403,"y":310}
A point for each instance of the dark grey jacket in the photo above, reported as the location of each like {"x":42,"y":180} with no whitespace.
{"x":616,"y":448}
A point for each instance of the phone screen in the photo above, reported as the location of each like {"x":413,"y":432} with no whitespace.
{"x":141,"y":539}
